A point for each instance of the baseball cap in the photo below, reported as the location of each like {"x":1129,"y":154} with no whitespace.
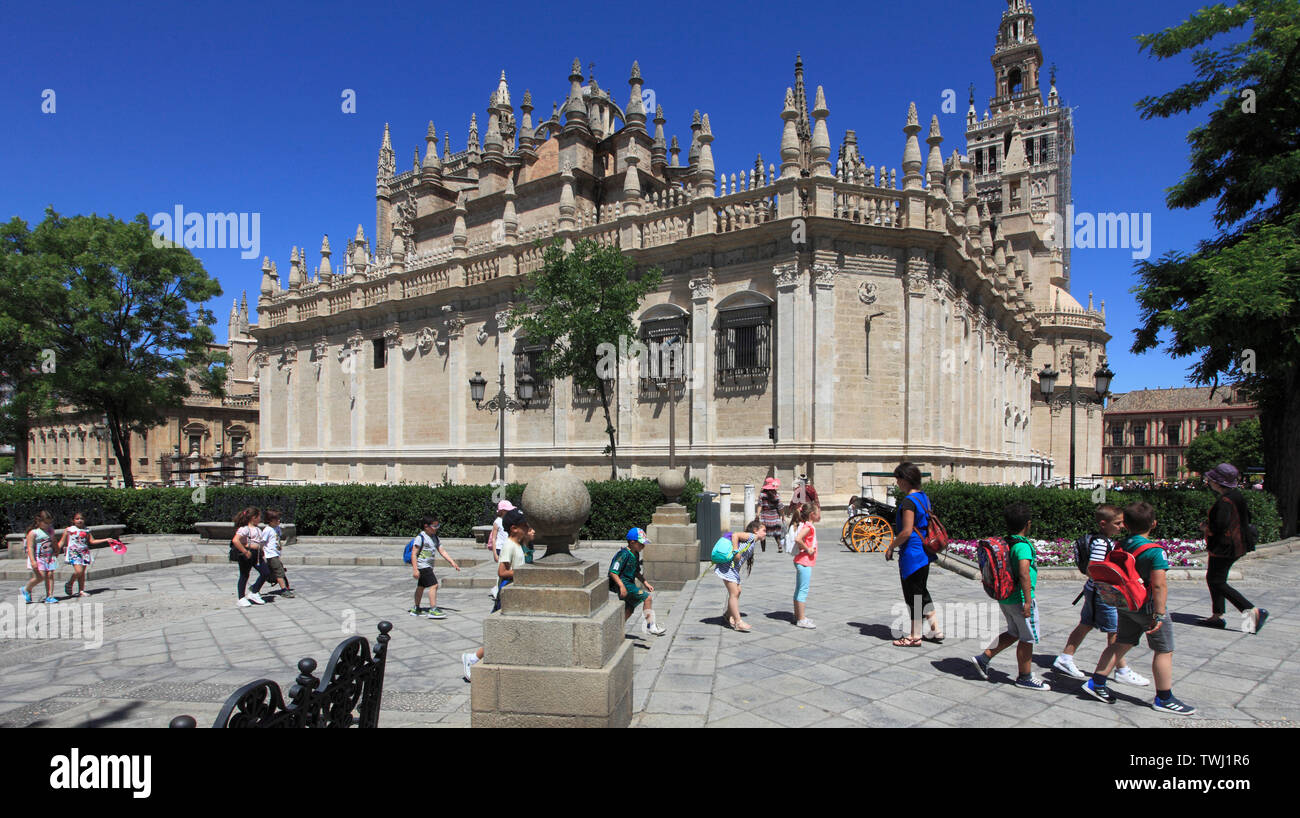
{"x":505,"y":505}
{"x":514,"y":517}
{"x":637,"y":535}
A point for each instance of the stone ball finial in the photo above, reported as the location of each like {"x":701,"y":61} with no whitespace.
{"x":672,"y":483}
{"x":556,"y":504}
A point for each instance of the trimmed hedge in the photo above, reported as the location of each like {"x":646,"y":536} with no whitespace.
{"x":356,"y":510}
{"x":971,"y":511}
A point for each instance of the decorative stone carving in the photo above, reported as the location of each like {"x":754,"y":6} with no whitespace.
{"x":917,"y":285}
{"x":824,"y":276}
{"x":868,"y":292}
{"x":787,"y":276}
{"x":261,"y":360}
{"x":393,"y":337}
{"x":319,"y":350}
{"x":455,"y":325}
{"x":702,"y":288}
{"x":424,"y":339}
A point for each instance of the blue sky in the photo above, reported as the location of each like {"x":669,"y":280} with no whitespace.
{"x":236,"y":106}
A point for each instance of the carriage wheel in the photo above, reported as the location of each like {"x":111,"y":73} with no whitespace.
{"x":870,"y":533}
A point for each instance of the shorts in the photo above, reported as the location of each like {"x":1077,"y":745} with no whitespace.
{"x":1024,"y":629}
{"x":802,"y":579}
{"x":1097,"y":614}
{"x":496,"y":603}
{"x":276,"y":566}
{"x":1133,"y":624}
{"x":635,"y":594}
{"x":44,"y":565}
{"x":427,"y":578}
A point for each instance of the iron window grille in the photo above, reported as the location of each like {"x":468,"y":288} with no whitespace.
{"x":745,"y":342}
{"x":527,"y":354}
{"x":667,"y":355}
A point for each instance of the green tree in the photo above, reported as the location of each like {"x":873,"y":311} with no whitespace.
{"x":26,"y":385}
{"x":121,"y":318}
{"x":1240,"y":445}
{"x":1235,"y":301}
{"x":580,"y":301}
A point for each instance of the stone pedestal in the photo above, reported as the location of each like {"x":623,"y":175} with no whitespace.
{"x":673,"y":556}
{"x":554,"y":656}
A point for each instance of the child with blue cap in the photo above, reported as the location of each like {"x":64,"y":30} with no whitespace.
{"x":624,"y":571}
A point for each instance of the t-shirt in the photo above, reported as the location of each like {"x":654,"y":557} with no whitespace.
{"x":1098,"y":548}
{"x":254,"y":536}
{"x":808,"y":558}
{"x":912,"y":556}
{"x":513,"y":554}
{"x":78,"y":542}
{"x":1021,"y":549}
{"x":42,"y":545}
{"x":626,"y":564}
{"x":1153,"y":559}
{"x":501,"y":536}
{"x":425,"y":549}
{"x":272,"y":547}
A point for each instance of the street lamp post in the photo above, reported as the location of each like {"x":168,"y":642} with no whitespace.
{"x":669,"y":384}
{"x":1047,"y":384}
{"x":501,"y":402}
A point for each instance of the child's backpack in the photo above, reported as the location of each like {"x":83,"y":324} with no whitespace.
{"x":1083,"y":552}
{"x":995,"y":569}
{"x":410,"y":547}
{"x":1117,"y":580}
{"x":723,"y":549}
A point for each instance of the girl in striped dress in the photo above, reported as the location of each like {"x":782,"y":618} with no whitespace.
{"x":769,"y":511}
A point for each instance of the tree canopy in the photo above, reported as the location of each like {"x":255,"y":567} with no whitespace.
{"x":1233,"y":304}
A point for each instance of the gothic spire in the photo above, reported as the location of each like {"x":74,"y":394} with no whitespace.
{"x":635,"y":114}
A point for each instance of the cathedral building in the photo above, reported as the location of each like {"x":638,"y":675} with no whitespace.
{"x":836,"y":317}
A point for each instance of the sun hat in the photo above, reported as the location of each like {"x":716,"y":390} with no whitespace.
{"x":637,"y":535}
{"x":119,"y":547}
{"x":505,"y":505}
{"x":1225,"y":474}
{"x":771,"y":483}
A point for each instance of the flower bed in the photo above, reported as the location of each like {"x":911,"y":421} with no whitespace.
{"x":1056,"y":553}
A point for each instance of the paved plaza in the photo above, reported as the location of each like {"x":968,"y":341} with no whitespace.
{"x":174,"y":643}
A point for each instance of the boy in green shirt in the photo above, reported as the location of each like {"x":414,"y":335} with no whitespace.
{"x":1020,"y":609}
{"x":1152,"y":619}
{"x":624,"y":571}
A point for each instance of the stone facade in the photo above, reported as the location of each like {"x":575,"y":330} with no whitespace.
{"x":204,"y":432}
{"x":837,"y":317}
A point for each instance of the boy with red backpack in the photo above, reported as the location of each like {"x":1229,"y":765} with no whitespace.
{"x":1133,"y":577}
{"x":1097,"y":614}
{"x":1020,"y":608}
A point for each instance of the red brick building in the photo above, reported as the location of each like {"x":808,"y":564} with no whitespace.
{"x":1148,"y":431}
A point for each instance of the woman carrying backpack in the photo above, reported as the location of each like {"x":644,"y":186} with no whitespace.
{"x":1227,"y":532}
{"x":913,"y":517}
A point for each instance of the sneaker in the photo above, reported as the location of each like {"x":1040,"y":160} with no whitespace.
{"x":288,"y":594}
{"x":1065,"y":664}
{"x":436,"y":613}
{"x":1033,"y":683}
{"x":1260,"y":618}
{"x":1172,"y":705}
{"x":1130,"y":677}
{"x":416,"y":611}
{"x":653,"y":629}
{"x":27,"y":595}
{"x":256,"y":597}
{"x":1099,"y":693}
{"x":49,"y":600}
{"x":805,"y":623}
{"x":981,"y":665}
{"x":244,"y":603}
{"x":468,"y":660}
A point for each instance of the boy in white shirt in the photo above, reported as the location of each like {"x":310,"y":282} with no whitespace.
{"x":512,"y":556}
{"x":271,"y":552}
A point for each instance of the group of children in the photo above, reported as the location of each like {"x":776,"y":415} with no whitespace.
{"x":256,"y":547}
{"x":43,"y":555}
{"x":1124,"y":628}
{"x":737,"y":551}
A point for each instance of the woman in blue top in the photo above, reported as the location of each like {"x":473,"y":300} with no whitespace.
{"x":912,"y":519}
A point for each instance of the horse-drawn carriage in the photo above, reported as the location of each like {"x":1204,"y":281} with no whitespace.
{"x":869,"y":526}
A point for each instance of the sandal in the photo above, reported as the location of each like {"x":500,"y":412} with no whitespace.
{"x":1260,"y":619}
{"x":933,"y":636}
{"x":907,"y":642}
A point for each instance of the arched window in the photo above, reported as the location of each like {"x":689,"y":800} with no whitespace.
{"x":665,"y":331}
{"x":744,"y":335}
{"x":1015,"y":81}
